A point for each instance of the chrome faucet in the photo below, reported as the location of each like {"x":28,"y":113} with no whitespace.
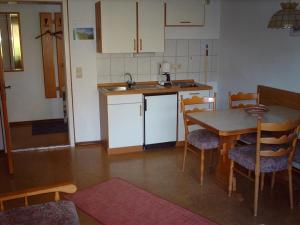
{"x":130,"y":81}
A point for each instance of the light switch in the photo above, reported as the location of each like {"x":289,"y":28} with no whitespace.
{"x":79,"y":72}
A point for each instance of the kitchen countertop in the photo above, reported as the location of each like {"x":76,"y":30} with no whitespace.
{"x":156,"y":88}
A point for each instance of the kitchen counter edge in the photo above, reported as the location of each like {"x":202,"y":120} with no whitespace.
{"x":170,"y":89}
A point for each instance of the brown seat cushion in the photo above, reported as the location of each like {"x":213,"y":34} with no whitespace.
{"x":58,"y":213}
{"x":203,"y":139}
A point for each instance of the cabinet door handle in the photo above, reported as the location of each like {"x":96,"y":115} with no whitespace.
{"x":195,"y":93}
{"x":145,"y":105}
{"x":185,"y":22}
{"x":141,"y":44}
{"x":134,"y":44}
{"x":141,"y":109}
{"x":181,"y":106}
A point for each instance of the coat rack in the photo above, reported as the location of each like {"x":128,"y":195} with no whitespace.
{"x":47,"y":24}
{"x":48,"y":53}
{"x":59,"y":52}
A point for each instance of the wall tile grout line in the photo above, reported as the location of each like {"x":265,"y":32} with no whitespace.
{"x":187,"y":54}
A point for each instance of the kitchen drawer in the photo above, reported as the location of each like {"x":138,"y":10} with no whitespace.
{"x":189,"y":94}
{"x":124,"y":99}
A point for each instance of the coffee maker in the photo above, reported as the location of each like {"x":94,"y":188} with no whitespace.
{"x":165,"y":69}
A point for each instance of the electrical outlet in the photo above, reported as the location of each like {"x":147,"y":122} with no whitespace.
{"x":176,"y":66}
{"x":79,"y":72}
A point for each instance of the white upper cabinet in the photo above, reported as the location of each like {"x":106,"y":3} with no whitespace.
{"x":185,"y":13}
{"x":118,"y":26}
{"x":125,"y":26}
{"x":151,"y":26}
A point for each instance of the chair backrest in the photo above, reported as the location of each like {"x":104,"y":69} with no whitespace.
{"x":241,"y":100}
{"x":56,"y":189}
{"x":196,"y":104}
{"x":281,"y":139}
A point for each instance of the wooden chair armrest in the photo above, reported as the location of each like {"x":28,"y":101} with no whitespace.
{"x":62,"y":187}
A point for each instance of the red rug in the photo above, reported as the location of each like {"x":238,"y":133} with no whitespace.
{"x":117,"y":202}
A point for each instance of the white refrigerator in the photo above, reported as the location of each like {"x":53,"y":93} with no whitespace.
{"x":160,"y":119}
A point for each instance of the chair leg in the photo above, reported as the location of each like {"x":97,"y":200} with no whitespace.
{"x":211,"y":159}
{"x":249,"y":173}
{"x":262,"y":181}
{"x":230,"y":183}
{"x":291,"y":188}
{"x":256,"y":192}
{"x":184,"y":155}
{"x":201,"y":166}
{"x":273,"y":180}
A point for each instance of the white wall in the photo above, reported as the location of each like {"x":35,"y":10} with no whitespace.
{"x":251,"y":54}
{"x":83,"y":54}
{"x":26,"y":99}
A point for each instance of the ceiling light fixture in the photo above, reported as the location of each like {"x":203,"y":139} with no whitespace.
{"x":286,"y":18}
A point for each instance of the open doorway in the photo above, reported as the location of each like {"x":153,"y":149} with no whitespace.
{"x":37,"y":116}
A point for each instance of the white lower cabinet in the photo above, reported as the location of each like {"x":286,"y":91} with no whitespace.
{"x":125,"y":120}
{"x":125,"y":115}
{"x":187,"y":94}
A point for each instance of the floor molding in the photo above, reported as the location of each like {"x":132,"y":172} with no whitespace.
{"x":29,"y":123}
{"x":48,"y":148}
{"x":84,"y":143}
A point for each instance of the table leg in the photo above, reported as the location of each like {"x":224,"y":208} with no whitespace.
{"x":223,"y":167}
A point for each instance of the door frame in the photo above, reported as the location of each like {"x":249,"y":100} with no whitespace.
{"x":69,"y":89}
{"x":4,"y":117}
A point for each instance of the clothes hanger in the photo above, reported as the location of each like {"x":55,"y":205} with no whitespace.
{"x":43,"y":34}
{"x":55,"y":34}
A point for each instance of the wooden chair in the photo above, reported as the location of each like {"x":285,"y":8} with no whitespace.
{"x":200,"y":139}
{"x":244,"y":100}
{"x":296,"y":162}
{"x":269,"y":155}
{"x":58,"y":212}
{"x":241,"y":100}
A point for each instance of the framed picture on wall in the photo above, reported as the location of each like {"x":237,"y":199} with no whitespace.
{"x":83,"y":33}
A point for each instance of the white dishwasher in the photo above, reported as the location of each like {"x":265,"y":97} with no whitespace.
{"x":160,"y":119}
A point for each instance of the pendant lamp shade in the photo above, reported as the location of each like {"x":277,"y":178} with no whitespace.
{"x":286,"y":18}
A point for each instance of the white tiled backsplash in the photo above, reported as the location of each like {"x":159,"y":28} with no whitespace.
{"x":187,"y":59}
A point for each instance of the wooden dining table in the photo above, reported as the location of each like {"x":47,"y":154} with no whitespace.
{"x":229,"y":124}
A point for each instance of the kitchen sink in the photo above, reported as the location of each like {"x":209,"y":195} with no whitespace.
{"x":185,"y":84}
{"x":117,"y":88}
{"x":135,"y":87}
{"x":138,"y":87}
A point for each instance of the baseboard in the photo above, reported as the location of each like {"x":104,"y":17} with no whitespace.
{"x":46,"y":148}
{"x":180,"y":143}
{"x":29,"y":123}
{"x":84,"y":143}
{"x":160,"y":145}
{"x":124,"y":150}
